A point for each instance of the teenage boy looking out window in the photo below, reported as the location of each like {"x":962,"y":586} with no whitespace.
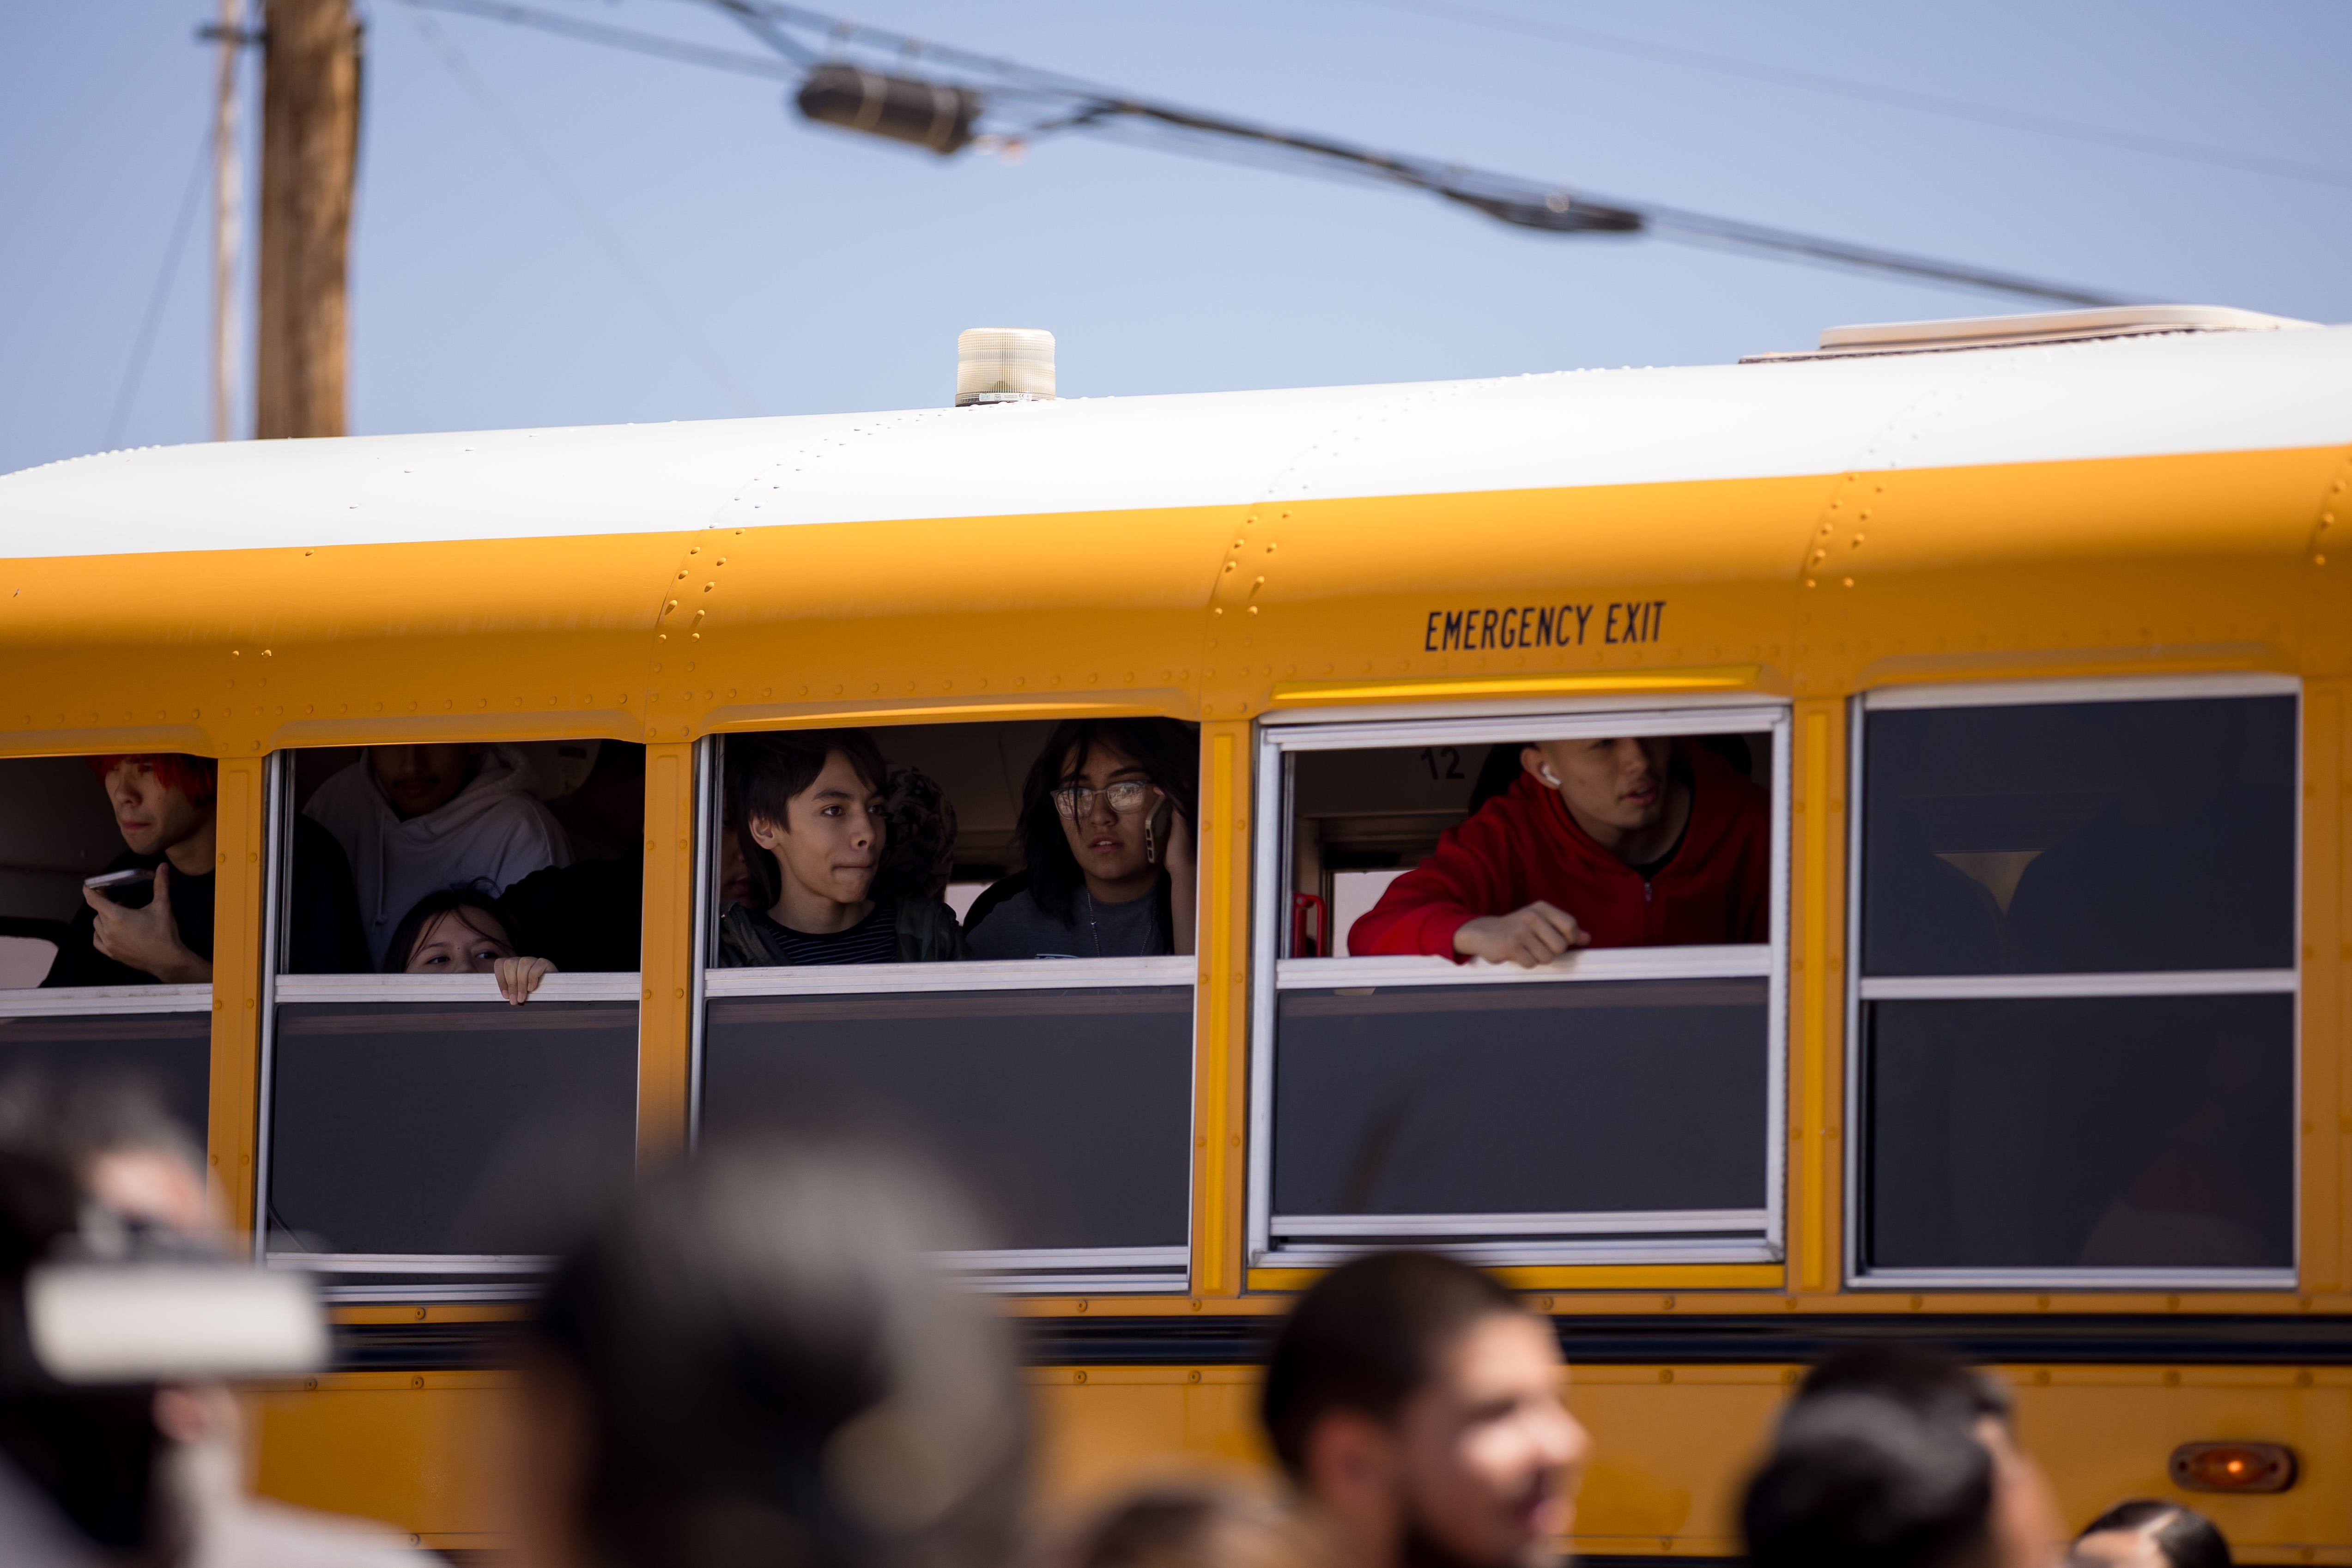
{"x":1636,"y":841}
{"x":812,"y":800}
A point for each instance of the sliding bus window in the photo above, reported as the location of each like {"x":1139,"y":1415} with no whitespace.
{"x":102,"y":988}
{"x":2075,"y":1004}
{"x":974,"y":938}
{"x":453,"y":1041}
{"x":1610,"y":1097}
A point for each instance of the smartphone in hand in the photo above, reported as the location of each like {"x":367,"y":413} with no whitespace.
{"x":132,"y":889}
{"x":1156,"y":828}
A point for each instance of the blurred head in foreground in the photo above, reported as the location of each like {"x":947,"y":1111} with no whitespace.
{"x":1198,"y":1524}
{"x":114,"y":1136}
{"x":2147,"y":1533}
{"x":1898,"y":1457}
{"x":1416,"y":1405}
{"x":755,"y":1360}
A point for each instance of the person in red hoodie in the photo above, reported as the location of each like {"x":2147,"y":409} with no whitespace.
{"x":1631,"y":842}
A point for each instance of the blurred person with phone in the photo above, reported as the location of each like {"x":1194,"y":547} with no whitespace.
{"x":142,"y":1171}
{"x":1107,"y":816}
{"x":124,"y":1323}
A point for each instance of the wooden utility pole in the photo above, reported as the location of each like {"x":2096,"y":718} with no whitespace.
{"x":229,"y":196}
{"x":310,"y":151}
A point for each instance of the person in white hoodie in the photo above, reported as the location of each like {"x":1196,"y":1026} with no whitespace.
{"x":421,"y":819}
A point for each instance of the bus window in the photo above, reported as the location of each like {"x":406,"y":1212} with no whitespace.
{"x":2080,"y":837}
{"x":1007,"y":841}
{"x":419,"y":1133}
{"x":1521,"y":983}
{"x":973,"y":937}
{"x":122,"y":990}
{"x":453,"y":1040}
{"x":2076,"y":1044}
{"x":544,"y":832}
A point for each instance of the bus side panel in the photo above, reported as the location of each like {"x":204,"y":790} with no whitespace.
{"x":423,"y":1452}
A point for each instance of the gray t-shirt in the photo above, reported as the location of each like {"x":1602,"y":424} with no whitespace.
{"x":1017,"y":929}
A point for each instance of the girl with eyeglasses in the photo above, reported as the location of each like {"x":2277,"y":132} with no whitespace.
{"x":1107,"y":829}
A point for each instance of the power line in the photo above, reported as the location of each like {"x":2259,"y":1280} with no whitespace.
{"x":1513,"y":200}
{"x":1910,"y":98}
{"x":153,"y":318}
{"x":630,"y":38}
{"x":859,"y":98}
{"x":605,"y":239}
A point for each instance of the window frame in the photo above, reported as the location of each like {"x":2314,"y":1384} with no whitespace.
{"x":1541,"y":1240}
{"x":441,"y":1276}
{"x":1860,"y":989}
{"x":1010,"y":1271}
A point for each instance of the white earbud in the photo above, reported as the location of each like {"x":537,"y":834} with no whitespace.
{"x":1549,"y":777}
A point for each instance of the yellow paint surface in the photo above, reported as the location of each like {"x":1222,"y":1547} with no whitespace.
{"x":1672,"y":1446}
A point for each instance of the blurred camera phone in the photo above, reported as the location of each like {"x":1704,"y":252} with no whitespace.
{"x":115,"y":884}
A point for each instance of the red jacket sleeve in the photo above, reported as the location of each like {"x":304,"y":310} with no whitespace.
{"x":1753,"y":910}
{"x":1466,"y":876}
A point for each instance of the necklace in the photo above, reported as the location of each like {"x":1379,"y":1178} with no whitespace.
{"x":1094,"y":931}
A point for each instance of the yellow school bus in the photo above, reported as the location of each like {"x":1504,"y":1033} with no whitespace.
{"x":2034,"y":631}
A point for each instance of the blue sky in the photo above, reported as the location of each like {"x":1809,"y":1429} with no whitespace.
{"x":825,"y":272}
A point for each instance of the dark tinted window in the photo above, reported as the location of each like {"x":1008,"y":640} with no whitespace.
{"x":446,"y":1128}
{"x":1066,"y":1113}
{"x":2080,"y":837}
{"x":1499,"y":1099}
{"x":170,"y":1053}
{"x":553,"y":830}
{"x":2110,"y":1131}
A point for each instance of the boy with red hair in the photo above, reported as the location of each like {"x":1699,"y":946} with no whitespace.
{"x":161,"y":933}
{"x":163,"y":806}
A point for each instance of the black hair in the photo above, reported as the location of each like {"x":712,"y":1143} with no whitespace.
{"x":775,"y":1370}
{"x":2186,"y":1537}
{"x":1921,"y":1379}
{"x":1861,"y":1480}
{"x":432,"y":907}
{"x":764,"y":771}
{"x":1197,"y":1523}
{"x":919,"y":825}
{"x":1168,"y":752}
{"x":1365,"y":1337}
